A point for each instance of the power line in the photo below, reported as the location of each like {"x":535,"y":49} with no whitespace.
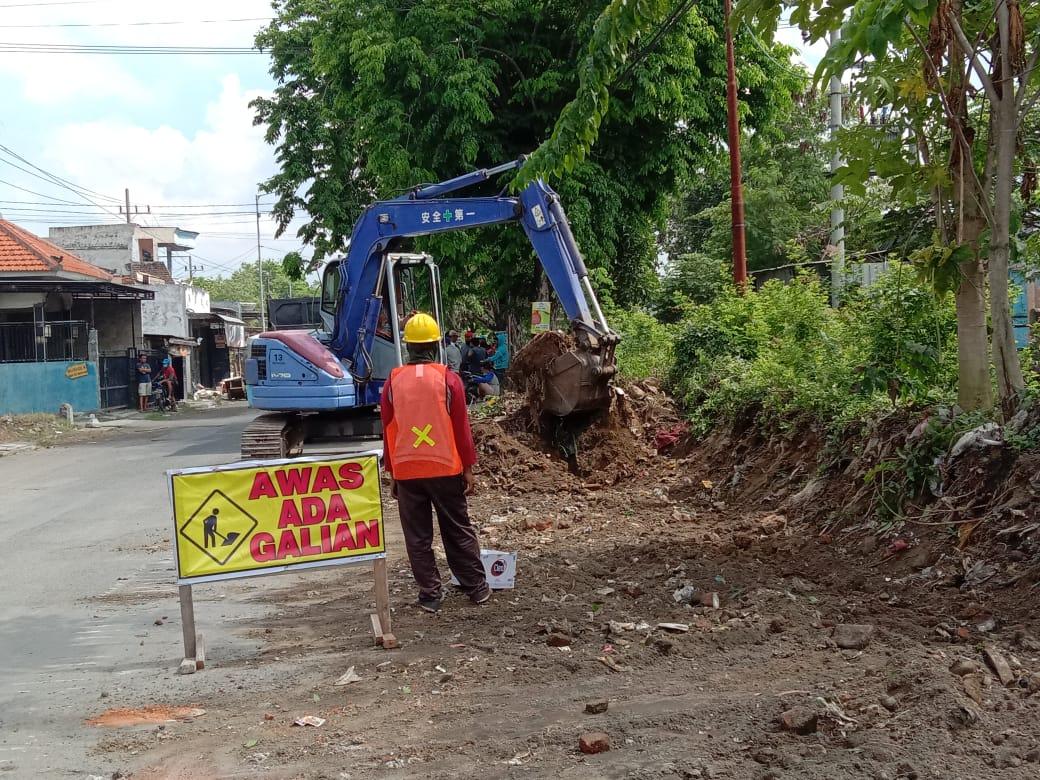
{"x":70,"y":48}
{"x":58,"y":179}
{"x":51,"y":181}
{"x":665,"y":26}
{"x":54,"y":200}
{"x":135,"y":24}
{"x":57,"y":2}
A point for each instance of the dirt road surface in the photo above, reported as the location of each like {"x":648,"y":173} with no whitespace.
{"x":755,"y":688}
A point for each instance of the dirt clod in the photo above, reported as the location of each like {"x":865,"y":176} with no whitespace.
{"x":594,"y":742}
{"x":999,"y":664}
{"x":558,"y":640}
{"x":799,"y":720}
{"x":963,"y":666}
{"x":597,"y":707}
{"x":849,"y":636}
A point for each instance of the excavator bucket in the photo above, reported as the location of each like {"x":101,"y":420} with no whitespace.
{"x":566,"y":375}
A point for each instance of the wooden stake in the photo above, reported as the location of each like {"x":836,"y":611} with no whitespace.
{"x":200,"y":653}
{"x":187,"y":620}
{"x":382,"y":589}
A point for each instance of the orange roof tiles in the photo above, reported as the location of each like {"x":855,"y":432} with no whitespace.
{"x":23,"y":252}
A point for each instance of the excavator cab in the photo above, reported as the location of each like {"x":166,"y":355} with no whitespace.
{"x":408,"y":283}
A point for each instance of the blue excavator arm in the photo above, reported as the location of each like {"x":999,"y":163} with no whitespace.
{"x":312,"y":386}
{"x":427,"y":210}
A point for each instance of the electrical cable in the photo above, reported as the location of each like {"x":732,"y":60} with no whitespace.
{"x":72,"y":48}
{"x":135,"y":24}
{"x":55,"y":201}
{"x":665,"y":26}
{"x":58,"y":179}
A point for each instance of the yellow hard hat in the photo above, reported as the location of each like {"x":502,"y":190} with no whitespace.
{"x":421,"y":328}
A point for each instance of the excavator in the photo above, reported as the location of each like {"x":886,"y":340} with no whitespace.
{"x":326,"y":385}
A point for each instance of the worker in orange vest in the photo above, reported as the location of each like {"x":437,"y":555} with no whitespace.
{"x":428,"y":450}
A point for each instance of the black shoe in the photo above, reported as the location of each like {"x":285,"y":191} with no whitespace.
{"x":481,"y":596}
{"x":430,"y":605}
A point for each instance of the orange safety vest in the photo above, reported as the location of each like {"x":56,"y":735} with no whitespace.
{"x":420,"y":435}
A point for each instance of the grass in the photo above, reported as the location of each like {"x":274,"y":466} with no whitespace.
{"x":41,"y":429}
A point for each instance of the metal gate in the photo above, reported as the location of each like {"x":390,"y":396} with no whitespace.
{"x":114,"y":379}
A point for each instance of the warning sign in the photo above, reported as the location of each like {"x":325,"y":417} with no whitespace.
{"x":243,"y":520}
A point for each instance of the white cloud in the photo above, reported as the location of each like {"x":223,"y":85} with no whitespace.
{"x":50,"y":78}
{"x":221,"y":161}
{"x":58,"y":78}
{"x":219,"y":164}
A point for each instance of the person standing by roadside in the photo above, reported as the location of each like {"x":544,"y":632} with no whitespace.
{"x":428,"y":450}
{"x":475,"y":355}
{"x":144,"y":382}
{"x":500,"y":357}
{"x":452,"y":353}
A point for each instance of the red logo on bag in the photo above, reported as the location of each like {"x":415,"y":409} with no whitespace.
{"x":498,"y":567}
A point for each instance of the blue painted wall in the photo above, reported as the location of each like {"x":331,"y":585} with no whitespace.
{"x":1020,"y":310}
{"x":43,"y":387}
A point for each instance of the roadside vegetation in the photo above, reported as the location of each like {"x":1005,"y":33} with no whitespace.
{"x":623,"y":107}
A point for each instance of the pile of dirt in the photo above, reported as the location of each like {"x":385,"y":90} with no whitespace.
{"x":517,"y":447}
{"x":958,"y":515}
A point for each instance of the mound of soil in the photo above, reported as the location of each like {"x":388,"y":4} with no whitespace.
{"x":520,"y":448}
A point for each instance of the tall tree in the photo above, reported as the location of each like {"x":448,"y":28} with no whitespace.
{"x":956,"y":80}
{"x":374,"y":96}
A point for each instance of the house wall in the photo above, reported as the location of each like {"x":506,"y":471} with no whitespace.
{"x":118,"y":325}
{"x":167,"y":315}
{"x":107,"y":246}
{"x":43,"y":387}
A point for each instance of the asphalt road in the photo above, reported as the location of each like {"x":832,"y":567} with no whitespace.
{"x":86,"y":571}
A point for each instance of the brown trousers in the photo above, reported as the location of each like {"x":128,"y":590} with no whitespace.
{"x":417,"y":498}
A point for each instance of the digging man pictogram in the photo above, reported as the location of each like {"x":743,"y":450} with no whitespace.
{"x":209,"y":529}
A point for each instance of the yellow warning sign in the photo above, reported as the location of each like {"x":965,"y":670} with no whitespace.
{"x":240,"y":521}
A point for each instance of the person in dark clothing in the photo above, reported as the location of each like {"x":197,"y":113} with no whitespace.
{"x":429,"y":452}
{"x":144,"y":382}
{"x":473,"y":358}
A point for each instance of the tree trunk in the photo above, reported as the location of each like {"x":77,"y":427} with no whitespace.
{"x":1008,"y":369}
{"x":973,"y":384}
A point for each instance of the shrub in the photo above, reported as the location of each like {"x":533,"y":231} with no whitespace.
{"x":780,"y":352}
{"x":906,"y":338}
{"x":646,"y":347}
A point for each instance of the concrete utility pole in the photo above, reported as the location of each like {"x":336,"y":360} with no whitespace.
{"x":127,"y":193}
{"x":260,"y":268}
{"x":736,"y":187}
{"x":837,"y":239}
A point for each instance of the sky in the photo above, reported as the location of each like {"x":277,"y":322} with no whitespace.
{"x":175,"y":129}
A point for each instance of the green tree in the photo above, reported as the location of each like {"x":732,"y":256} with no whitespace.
{"x":951,"y":85}
{"x":785,"y":192}
{"x":244,"y":284}
{"x":375,"y":96}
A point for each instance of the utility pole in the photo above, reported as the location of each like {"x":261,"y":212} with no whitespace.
{"x":192,"y":268}
{"x":736,"y":187}
{"x":127,"y":193}
{"x":260,"y":269}
{"x":837,"y":239}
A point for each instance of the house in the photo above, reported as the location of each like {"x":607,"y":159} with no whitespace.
{"x":69,"y":329}
{"x":122,"y":246}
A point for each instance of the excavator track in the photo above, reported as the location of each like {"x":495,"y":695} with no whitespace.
{"x":272,"y":436}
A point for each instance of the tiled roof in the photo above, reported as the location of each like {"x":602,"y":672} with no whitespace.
{"x":23,"y":252}
{"x":156,"y":270}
